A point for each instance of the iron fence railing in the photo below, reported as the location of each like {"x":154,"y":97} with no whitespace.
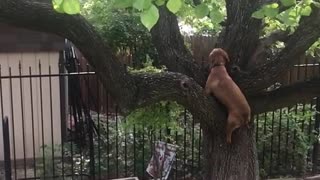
{"x":53,"y":127}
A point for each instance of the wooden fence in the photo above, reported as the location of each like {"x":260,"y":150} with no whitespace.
{"x":200,"y":47}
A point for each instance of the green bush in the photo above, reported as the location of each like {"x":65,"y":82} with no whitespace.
{"x":122,"y":29}
{"x":284,"y":142}
{"x":285,"y":138}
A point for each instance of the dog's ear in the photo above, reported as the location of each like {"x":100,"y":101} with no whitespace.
{"x":225,"y":55}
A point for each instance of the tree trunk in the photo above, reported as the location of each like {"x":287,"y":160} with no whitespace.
{"x":222,"y":162}
{"x":236,"y":161}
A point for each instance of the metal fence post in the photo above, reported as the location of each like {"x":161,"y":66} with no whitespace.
{"x":6,"y":148}
{"x":315,"y":153}
{"x":91,"y":146}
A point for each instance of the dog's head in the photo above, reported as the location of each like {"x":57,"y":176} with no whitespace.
{"x":218,"y":57}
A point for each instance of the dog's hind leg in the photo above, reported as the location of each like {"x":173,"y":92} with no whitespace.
{"x":233,"y":122}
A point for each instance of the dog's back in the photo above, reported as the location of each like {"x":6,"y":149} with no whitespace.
{"x":227,"y":92}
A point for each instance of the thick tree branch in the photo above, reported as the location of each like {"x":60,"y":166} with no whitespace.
{"x":41,"y":16}
{"x":180,"y":88}
{"x":306,"y":34}
{"x":129,"y":90}
{"x":274,"y":37}
{"x":242,"y":31}
{"x":265,"y":75}
{"x":173,"y":53}
{"x":263,"y":51}
{"x":286,"y":96}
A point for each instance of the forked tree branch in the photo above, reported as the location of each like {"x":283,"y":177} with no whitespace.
{"x":265,"y":75}
{"x":274,"y":37}
{"x":170,"y":45}
{"x":42,"y":17}
{"x":263,"y":51}
{"x":129,"y":90}
{"x":286,"y":96}
{"x":242,"y":31}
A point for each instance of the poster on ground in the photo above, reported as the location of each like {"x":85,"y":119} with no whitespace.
{"x":162,"y":160}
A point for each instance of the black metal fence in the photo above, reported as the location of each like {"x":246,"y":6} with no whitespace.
{"x":51,"y":131}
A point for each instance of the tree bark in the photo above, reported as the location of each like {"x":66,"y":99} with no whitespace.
{"x":286,"y":96}
{"x":236,"y":161}
{"x":296,"y":44}
{"x":239,"y":31}
{"x":170,"y":45}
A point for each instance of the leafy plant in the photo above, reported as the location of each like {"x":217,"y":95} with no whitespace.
{"x":285,"y":138}
{"x":148,"y":9}
{"x":286,"y":18}
{"x":124,"y":148}
{"x":123,"y":31}
{"x":155,"y":117}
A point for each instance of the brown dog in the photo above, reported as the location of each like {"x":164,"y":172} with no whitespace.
{"x":220,"y":84}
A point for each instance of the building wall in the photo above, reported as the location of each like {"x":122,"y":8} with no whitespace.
{"x":31,"y":139}
{"x":13,"y":39}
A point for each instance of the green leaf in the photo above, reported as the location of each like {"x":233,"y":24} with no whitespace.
{"x":71,"y":6}
{"x":159,"y":2}
{"x":122,"y":3}
{"x":289,"y":21}
{"x":147,"y":4}
{"x":57,"y":5}
{"x":288,"y":2}
{"x":307,"y":2}
{"x":150,"y":17}
{"x":59,"y":9}
{"x":274,"y":5}
{"x":138,"y":4}
{"x":216,"y":16}
{"x":174,"y":5}
{"x":306,"y":11}
{"x":293,"y":12}
{"x":288,"y":17}
{"x":270,"y":11}
{"x":201,"y":10}
{"x":258,"y":14}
